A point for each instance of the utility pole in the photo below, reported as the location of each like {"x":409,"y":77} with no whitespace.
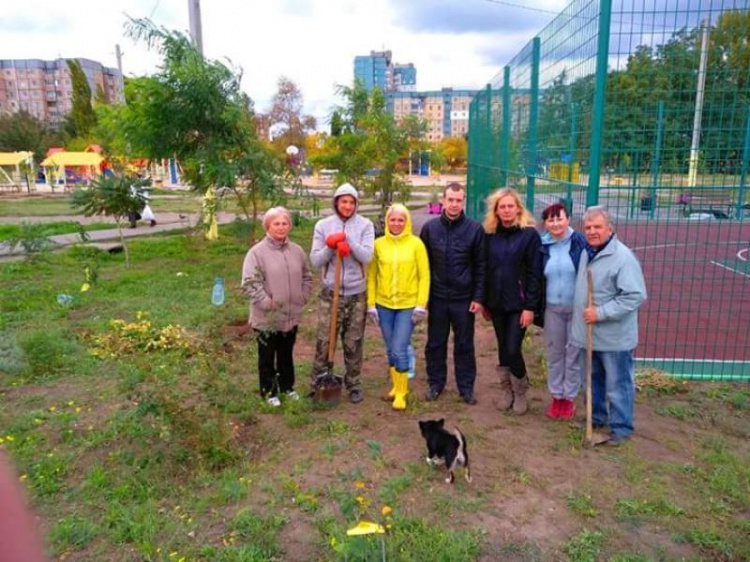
{"x":698,"y":117}
{"x":118,"y":55}
{"x":196,"y":27}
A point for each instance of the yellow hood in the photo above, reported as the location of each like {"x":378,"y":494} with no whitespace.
{"x":399,"y":208}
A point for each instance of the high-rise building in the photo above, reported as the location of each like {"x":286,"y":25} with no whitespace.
{"x":45,"y":88}
{"x":445,"y":111}
{"x":375,"y":70}
{"x":404,"y":77}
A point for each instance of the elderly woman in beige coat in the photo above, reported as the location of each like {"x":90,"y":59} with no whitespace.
{"x":277,"y":280}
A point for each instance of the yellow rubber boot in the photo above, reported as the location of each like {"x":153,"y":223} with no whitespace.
{"x":391,"y":394}
{"x":402,"y":389}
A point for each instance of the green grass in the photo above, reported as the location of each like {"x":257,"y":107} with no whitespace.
{"x":9,"y":231}
{"x":159,"y":455}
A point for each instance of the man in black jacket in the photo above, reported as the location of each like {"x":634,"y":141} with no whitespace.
{"x":455,"y":247}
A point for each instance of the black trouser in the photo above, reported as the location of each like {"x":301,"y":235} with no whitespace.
{"x":444,"y":315}
{"x":510,"y":341}
{"x":275,"y":355}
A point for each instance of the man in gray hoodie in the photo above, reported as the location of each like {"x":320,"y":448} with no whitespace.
{"x":618,"y":290}
{"x":351,"y":236}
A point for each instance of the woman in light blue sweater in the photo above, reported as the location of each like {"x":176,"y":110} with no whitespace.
{"x":561,"y":253}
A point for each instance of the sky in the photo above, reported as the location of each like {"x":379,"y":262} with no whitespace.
{"x":452,"y":43}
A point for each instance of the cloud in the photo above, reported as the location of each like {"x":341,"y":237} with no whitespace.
{"x":25,"y":24}
{"x":451,"y":16}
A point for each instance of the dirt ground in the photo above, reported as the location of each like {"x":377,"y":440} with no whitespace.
{"x":527,"y":470}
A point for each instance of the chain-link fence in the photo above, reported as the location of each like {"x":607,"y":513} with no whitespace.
{"x":643,"y":107}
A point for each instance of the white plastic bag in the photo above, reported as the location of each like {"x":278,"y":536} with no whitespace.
{"x":147,"y":214}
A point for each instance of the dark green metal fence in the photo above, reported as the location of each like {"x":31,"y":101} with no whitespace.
{"x":643,"y":107}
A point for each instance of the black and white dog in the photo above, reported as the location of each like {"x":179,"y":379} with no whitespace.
{"x":445,"y":446}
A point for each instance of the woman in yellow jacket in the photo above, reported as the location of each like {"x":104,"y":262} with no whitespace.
{"x":398,"y":286}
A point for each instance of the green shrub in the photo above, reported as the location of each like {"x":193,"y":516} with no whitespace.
{"x":48,"y":353}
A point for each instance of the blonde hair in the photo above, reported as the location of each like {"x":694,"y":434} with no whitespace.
{"x":273,"y":212}
{"x":524,"y":219}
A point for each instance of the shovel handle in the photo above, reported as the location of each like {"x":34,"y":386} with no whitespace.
{"x":335,"y":311}
{"x":589,"y":357}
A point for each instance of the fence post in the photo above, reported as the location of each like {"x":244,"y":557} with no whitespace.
{"x":656,"y":162}
{"x":597,"y":125}
{"x":489,"y":153}
{"x":505,"y":137}
{"x":743,"y":171}
{"x":471,"y":172}
{"x":533,"y":118}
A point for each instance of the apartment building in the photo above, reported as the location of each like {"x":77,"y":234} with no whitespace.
{"x":445,"y":111}
{"x":45,"y":89}
{"x":377,"y":70}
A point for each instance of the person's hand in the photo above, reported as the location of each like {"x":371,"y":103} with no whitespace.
{"x":475,"y":307}
{"x":372,"y":314}
{"x":343,"y":249}
{"x":527,"y":317}
{"x":589,"y":315}
{"x":486,"y":314}
{"x":418,"y":315}
{"x":332,"y":240}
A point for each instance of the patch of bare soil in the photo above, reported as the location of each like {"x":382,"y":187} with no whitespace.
{"x":527,"y":470}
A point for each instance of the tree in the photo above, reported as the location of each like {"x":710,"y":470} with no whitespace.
{"x":369,"y":144}
{"x":112,"y":197}
{"x":286,"y":122}
{"x":193,"y":109}
{"x":454,"y":150}
{"x":22,"y":131}
{"x":82,"y":114}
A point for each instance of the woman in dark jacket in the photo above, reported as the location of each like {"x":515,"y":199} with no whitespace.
{"x":513,"y":288}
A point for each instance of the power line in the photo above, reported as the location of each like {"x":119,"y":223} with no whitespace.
{"x":587,"y":18}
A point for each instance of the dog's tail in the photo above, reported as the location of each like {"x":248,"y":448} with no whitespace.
{"x":461,"y":454}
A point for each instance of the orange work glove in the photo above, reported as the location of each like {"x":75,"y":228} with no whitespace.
{"x":343,"y":249}
{"x":332,"y":240}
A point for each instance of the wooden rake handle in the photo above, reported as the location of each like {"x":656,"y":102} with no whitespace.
{"x":335,"y":311}
{"x":589,"y":357}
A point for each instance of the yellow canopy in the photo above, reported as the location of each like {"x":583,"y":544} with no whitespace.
{"x":73,"y":159}
{"x":13,"y":158}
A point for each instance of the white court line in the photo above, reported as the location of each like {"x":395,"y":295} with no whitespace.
{"x":684,"y":360}
{"x":742,"y":255}
{"x":730,"y":269}
{"x":683,"y":245}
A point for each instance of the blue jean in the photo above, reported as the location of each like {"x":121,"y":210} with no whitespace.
{"x":613,"y":385}
{"x":396,"y":327}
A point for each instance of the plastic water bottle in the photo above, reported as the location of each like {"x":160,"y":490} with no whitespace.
{"x":217,"y":295}
{"x":412,"y":361}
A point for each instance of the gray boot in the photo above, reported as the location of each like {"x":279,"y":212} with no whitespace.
{"x":506,"y":392}
{"x":520,"y":386}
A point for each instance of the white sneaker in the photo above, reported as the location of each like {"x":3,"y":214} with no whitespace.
{"x":292,"y":395}
{"x":274,"y":401}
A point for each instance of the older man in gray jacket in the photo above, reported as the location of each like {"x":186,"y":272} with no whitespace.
{"x":352,"y":237}
{"x":619,"y":290}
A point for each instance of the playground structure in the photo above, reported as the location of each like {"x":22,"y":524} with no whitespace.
{"x":14,"y":170}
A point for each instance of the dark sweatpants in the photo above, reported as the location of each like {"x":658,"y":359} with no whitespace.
{"x":444,"y":315}
{"x":276,"y":355}
{"x":510,"y":336}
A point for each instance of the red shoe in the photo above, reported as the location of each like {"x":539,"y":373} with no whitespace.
{"x":553,"y":410}
{"x":567,"y":410}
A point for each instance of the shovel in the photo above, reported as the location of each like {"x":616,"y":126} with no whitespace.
{"x":328,"y":385}
{"x":592,"y":439}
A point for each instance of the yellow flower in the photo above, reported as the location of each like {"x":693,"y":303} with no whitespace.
{"x":359,"y":485}
{"x":386,"y":510}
